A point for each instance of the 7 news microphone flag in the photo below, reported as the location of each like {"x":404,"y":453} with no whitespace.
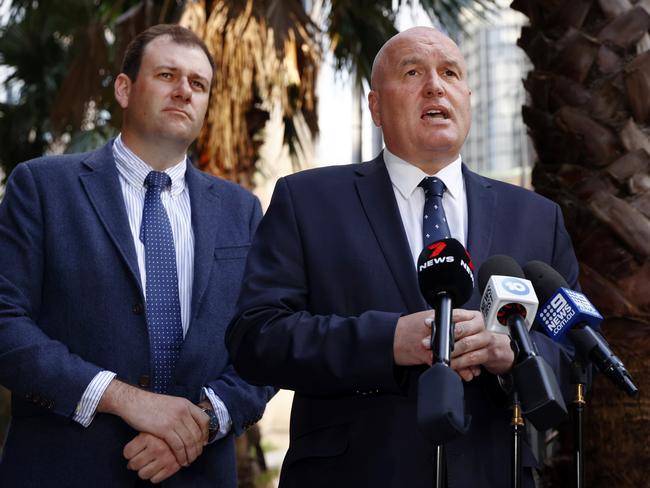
{"x":446,"y":280}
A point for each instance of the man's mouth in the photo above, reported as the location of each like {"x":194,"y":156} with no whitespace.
{"x":177,"y":111}
{"x":435,"y":113}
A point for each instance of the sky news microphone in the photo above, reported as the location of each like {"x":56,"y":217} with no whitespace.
{"x":508,"y":299}
{"x":446,"y":280}
{"x":568,"y":315}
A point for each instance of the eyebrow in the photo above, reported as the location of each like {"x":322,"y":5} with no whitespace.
{"x":409,"y":61}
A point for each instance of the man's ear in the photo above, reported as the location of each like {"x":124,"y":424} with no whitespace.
{"x":122,"y":88}
{"x":373,"y":105}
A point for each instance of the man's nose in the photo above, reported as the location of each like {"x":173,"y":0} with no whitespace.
{"x":434,"y":86}
{"x":183,"y":88}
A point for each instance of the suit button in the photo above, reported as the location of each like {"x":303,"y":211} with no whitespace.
{"x":138,"y":309}
{"x":144,"y":381}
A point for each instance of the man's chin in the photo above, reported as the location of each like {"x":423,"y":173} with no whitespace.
{"x":180,"y":135}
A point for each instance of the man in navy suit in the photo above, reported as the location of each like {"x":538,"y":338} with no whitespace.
{"x":118,"y":370}
{"x":330,"y":305}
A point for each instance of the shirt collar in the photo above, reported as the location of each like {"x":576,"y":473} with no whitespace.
{"x":406,"y":177}
{"x":134,"y":170}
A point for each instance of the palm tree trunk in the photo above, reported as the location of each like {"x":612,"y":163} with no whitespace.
{"x":588,"y":115}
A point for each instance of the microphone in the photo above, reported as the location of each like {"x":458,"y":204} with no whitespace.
{"x":569,"y":315}
{"x":505,"y":294}
{"x":445,"y":277}
{"x":508,"y":305}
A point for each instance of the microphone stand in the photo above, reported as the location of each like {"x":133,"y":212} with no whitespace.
{"x":442,"y":345}
{"x":517,"y":422}
{"x":579,"y":379}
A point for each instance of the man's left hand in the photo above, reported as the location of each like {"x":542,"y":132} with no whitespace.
{"x":475,"y":347}
{"x":151,"y":457}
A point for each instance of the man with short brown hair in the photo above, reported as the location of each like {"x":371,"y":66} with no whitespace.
{"x":120,"y":269}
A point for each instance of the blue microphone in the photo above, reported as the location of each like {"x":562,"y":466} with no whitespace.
{"x":568,"y":317}
{"x":564,"y":310}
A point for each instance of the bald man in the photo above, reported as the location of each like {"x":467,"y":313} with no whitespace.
{"x":330,"y":305}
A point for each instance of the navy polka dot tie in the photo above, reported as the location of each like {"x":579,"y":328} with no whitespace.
{"x":162,"y":305}
{"x":434,"y":221}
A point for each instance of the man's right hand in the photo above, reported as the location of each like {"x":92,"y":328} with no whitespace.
{"x":151,"y":457}
{"x":180,"y":423}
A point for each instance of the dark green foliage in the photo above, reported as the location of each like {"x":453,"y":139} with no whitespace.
{"x":62,"y":58}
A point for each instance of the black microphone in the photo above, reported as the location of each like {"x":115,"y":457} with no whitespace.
{"x":445,"y":276}
{"x":508,"y":298}
{"x":568,"y":313}
{"x":446,"y":279}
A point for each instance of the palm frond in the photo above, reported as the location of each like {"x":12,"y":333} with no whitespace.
{"x":266,"y":53}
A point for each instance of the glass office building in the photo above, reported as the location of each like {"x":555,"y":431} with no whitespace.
{"x":498,"y":144}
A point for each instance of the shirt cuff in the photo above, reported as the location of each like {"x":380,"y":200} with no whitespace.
{"x":225,"y":422}
{"x":87,"y":406}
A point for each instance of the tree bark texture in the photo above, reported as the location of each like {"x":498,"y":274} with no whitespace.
{"x":589,"y":118}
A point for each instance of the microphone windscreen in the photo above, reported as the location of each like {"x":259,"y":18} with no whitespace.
{"x":445,"y":266}
{"x":498,"y":264}
{"x":563,"y":308}
{"x":545,"y":279}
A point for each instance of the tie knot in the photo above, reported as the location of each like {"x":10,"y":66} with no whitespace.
{"x":432,"y":186}
{"x":157,"y":179}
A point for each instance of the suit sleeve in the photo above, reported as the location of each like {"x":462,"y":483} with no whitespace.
{"x":244,"y":402}
{"x":275,"y":339}
{"x":33,"y":366}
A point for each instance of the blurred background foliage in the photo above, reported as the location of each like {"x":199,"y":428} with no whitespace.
{"x":62,"y":57}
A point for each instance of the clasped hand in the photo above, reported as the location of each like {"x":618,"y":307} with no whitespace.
{"x":474,"y":345}
{"x":173,"y":431}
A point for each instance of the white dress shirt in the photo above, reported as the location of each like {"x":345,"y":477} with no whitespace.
{"x":176,"y":201}
{"x":406,"y":177}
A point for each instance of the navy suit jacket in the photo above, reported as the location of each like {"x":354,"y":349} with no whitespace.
{"x":328,"y":275}
{"x":71,"y":304}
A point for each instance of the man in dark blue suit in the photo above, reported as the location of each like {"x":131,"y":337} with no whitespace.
{"x":330,"y":305}
{"x":112,"y":331}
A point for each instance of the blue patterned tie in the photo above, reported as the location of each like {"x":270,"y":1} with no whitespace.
{"x":434,"y":221}
{"x":162,"y":305}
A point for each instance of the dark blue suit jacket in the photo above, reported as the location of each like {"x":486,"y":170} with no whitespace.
{"x":71,"y":304}
{"x":328,"y":275}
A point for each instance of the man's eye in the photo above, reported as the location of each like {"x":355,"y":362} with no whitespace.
{"x":451,"y":73}
{"x":411,"y":72}
{"x":198,"y":85}
{"x":166,"y":76}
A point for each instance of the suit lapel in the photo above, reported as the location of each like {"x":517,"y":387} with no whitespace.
{"x":101,"y":183}
{"x":378,"y":200}
{"x":206,"y":216}
{"x":481,"y":209}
